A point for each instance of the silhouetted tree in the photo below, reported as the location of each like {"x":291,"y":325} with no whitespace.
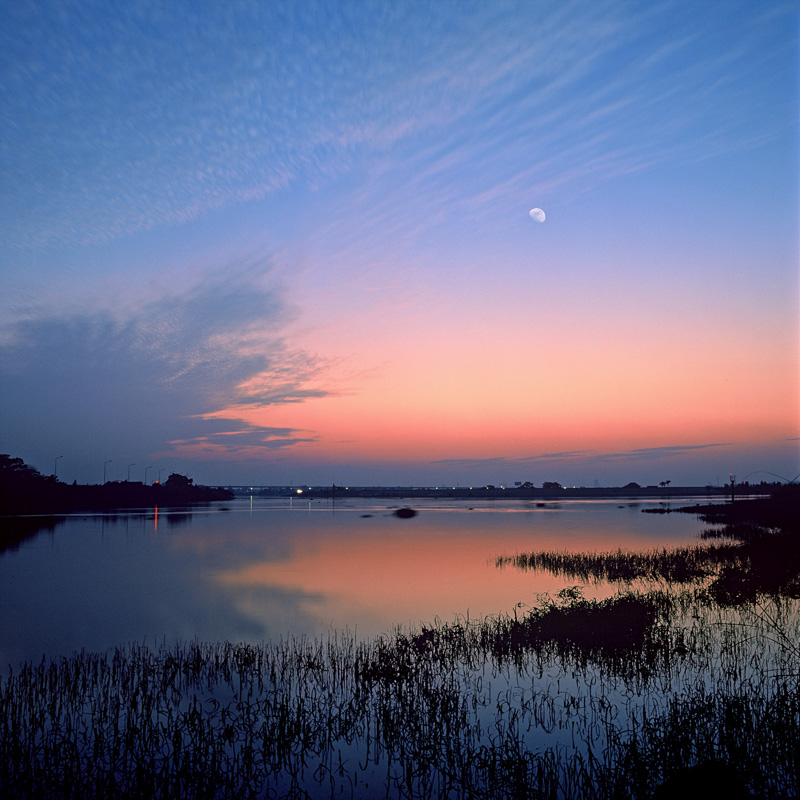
{"x":24,"y":489}
{"x":176,"y":481}
{"x":15,"y":469}
{"x":22,"y":486}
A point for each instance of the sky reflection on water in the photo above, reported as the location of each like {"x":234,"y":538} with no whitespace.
{"x":238,"y":571}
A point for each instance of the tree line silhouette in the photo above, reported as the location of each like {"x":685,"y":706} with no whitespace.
{"x":24,"y":490}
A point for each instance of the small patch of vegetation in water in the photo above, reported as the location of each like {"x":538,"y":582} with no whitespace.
{"x":766,"y":562}
{"x":405,"y":513}
{"x":676,"y":565}
{"x":615,"y":633}
{"x":756,"y":560}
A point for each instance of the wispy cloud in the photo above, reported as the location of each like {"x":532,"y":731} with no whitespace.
{"x":151,"y":381}
{"x":575,"y":457}
{"x":662,"y":452}
{"x":523,"y":114}
{"x":247,"y":445}
{"x":112,"y":127}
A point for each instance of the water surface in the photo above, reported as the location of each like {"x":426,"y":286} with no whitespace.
{"x":250,"y":570}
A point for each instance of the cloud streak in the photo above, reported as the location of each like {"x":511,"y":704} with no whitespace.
{"x":650,"y":453}
{"x":154,"y":380}
{"x":571,"y":457}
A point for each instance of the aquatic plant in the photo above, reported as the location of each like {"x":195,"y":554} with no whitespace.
{"x":673,"y":565}
{"x":767,"y":563}
{"x":529,"y":705}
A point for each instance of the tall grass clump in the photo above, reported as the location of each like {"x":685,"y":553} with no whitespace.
{"x":673,"y":565}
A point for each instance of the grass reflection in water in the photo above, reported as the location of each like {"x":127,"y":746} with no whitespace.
{"x":569,"y":698}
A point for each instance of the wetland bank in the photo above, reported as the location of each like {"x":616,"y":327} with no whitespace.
{"x":625,"y":669}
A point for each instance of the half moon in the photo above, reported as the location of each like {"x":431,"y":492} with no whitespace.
{"x":537,"y":215}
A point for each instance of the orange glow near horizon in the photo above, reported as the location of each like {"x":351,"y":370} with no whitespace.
{"x":462,"y":393}
{"x":372,"y":425}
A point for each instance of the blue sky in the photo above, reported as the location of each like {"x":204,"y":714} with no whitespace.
{"x":263,"y":242}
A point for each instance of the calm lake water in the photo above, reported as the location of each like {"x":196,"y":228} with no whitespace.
{"x":249,"y":570}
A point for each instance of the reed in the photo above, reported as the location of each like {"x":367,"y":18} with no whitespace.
{"x":675,"y":565}
{"x":569,"y":698}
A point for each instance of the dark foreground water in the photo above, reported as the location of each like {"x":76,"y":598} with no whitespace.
{"x":264,"y":569}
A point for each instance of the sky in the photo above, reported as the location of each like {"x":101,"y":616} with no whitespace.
{"x":290,"y":242}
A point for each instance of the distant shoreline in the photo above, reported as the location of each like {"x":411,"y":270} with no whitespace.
{"x":24,"y":490}
{"x":501,"y":493}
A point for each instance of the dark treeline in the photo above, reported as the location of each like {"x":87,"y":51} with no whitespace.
{"x":24,"y":490}
{"x":549,"y":490}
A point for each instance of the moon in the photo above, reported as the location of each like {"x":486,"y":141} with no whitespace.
{"x":537,"y":215}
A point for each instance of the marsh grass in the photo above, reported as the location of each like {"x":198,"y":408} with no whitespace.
{"x":569,"y":698}
{"x":767,"y":562}
{"x":673,"y":565}
{"x":753,"y":563}
{"x":622,"y":634}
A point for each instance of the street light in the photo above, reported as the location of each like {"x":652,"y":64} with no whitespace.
{"x":55,"y":466}
{"x":129,"y":471}
{"x":104,"y":470}
{"x":163,"y":469}
{"x":145,"y":474}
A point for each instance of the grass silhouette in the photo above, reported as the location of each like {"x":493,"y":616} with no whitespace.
{"x":572,"y":698}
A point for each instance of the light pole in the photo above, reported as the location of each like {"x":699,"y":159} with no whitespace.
{"x":55,"y":466}
{"x":104,"y":470}
{"x":145,"y":475}
{"x":129,"y":472}
{"x":163,"y":469}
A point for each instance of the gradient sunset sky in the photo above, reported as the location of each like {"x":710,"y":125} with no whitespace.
{"x":289,"y":242}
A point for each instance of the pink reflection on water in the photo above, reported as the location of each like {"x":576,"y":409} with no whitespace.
{"x":371,"y":574}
